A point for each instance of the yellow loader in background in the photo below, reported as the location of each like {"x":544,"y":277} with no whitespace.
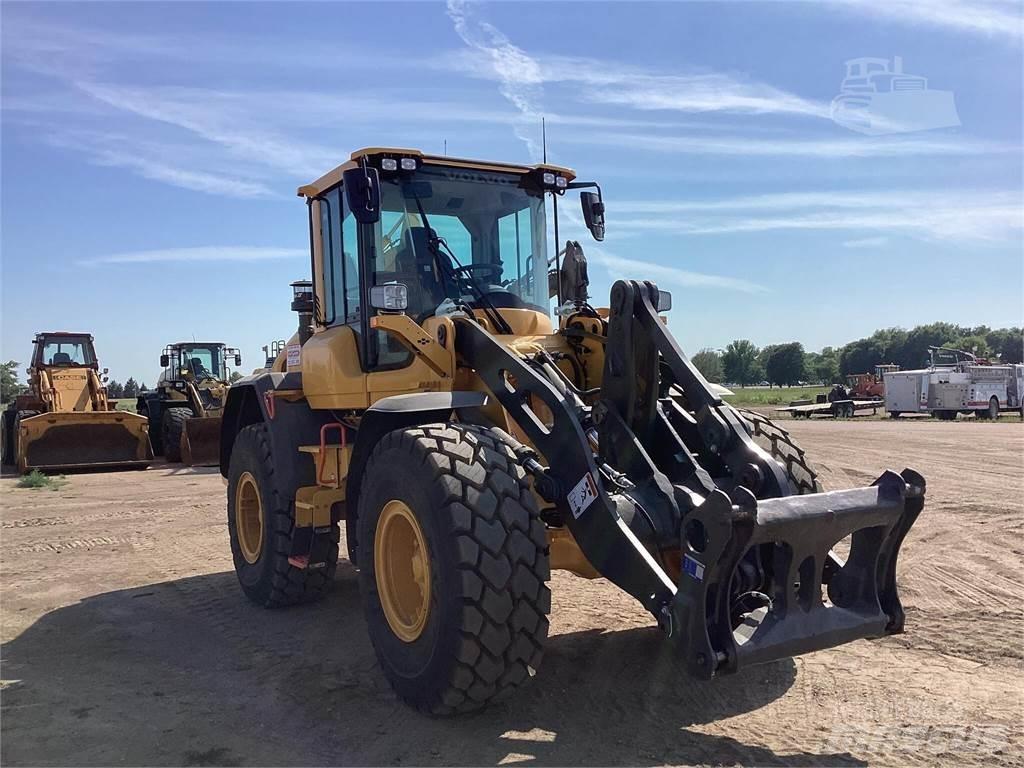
{"x":65,"y":420}
{"x":185,"y":408}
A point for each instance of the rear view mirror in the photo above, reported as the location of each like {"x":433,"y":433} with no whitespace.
{"x":362,"y":193}
{"x":593,"y":213}
{"x":238,"y":360}
{"x":164,"y":361}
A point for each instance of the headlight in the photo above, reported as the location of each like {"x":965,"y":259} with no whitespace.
{"x":389,"y":164}
{"x":408,"y":164}
{"x":548,"y":179}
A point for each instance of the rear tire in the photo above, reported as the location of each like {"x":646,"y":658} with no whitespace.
{"x":7,"y":432}
{"x":784,"y":449}
{"x":487,"y":600}
{"x":155,"y":430}
{"x":261,"y":545}
{"x":993,"y":408}
{"x":173,"y":428}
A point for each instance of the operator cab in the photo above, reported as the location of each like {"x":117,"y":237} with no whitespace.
{"x":198,"y":360}
{"x":397,"y":230}
{"x":67,"y":350}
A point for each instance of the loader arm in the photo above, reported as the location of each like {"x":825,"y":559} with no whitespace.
{"x":659,"y":466}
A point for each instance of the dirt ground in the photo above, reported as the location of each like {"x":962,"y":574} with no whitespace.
{"x":127,"y":641}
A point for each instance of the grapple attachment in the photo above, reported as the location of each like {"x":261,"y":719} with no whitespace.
{"x":200,"y":441}
{"x":808,"y":597}
{"x":55,"y":442}
{"x":669,"y":497}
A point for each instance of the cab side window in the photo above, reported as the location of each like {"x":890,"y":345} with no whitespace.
{"x":341,"y":275}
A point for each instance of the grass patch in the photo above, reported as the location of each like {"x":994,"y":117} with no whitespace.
{"x":125,"y":404}
{"x":35,"y":480}
{"x":761,"y":396}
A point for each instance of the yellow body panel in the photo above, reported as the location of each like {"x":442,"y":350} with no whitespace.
{"x":331,"y":376}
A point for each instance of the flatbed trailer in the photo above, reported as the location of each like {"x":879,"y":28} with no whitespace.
{"x":845,"y":409}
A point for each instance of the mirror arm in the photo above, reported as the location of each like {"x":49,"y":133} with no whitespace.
{"x":587,"y":185}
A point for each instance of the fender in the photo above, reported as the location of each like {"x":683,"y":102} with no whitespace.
{"x":398,"y":412}
{"x":290,"y":424}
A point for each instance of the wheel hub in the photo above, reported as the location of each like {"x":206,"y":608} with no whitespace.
{"x":249,"y":517}
{"x":402,"y":569}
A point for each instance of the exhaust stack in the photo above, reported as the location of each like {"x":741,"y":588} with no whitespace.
{"x":302,"y":302}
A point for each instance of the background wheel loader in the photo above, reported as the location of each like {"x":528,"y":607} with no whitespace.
{"x":468,"y":446}
{"x":65,"y":421}
{"x":185,"y":407}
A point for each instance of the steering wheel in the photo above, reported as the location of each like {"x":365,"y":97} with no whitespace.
{"x":469,"y":269}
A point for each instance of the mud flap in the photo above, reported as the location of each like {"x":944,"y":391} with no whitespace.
{"x":200,"y":442}
{"x":55,"y":442}
{"x":814,"y":600}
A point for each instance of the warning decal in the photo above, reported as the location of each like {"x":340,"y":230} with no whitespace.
{"x":294,"y":354}
{"x":693,"y":567}
{"x":582,"y":494}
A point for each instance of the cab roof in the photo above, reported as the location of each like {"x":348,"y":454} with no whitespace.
{"x":331,"y":178}
{"x":76,"y":334}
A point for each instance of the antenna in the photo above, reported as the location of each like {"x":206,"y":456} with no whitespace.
{"x":446,"y":147}
{"x":544,"y":138}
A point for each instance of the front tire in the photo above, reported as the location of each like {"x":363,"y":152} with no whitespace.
{"x":784,"y":449}
{"x":172,"y":429}
{"x":260,"y":524}
{"x":474,"y":625}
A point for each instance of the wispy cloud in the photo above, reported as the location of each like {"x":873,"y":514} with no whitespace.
{"x":867,"y":242}
{"x":519,"y":74}
{"x":492,"y":57}
{"x":623,"y":268}
{"x":214,"y":117}
{"x":967,"y":215}
{"x":759,"y":146}
{"x":205,"y":253}
{"x":995,"y":18}
{"x":172,"y":164}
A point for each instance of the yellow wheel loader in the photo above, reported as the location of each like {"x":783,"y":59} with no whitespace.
{"x":185,"y":408}
{"x":469,"y":445}
{"x":65,"y":420}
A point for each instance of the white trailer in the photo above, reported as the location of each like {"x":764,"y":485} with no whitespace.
{"x":984,"y":390}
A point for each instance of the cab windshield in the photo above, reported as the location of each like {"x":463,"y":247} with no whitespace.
{"x":487,"y":239}
{"x":66,"y":350}
{"x":202,"y":360}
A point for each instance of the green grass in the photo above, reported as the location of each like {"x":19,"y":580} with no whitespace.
{"x":35,"y":480}
{"x":762,"y":396}
{"x":125,"y":404}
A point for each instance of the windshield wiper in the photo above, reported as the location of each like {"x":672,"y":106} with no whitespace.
{"x":435,"y":243}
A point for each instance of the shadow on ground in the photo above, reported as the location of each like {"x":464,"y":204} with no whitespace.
{"x":187,"y":672}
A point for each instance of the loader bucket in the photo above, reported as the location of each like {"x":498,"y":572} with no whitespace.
{"x":55,"y":442}
{"x":200,"y":442}
{"x":816,"y":600}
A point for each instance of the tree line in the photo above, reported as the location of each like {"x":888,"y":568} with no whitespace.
{"x":10,"y":387}
{"x":743,"y":363}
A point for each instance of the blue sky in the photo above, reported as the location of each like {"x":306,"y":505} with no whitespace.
{"x":150,"y":156}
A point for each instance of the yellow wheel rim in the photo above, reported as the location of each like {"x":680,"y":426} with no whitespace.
{"x":402,"y":566}
{"x":249,"y":517}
